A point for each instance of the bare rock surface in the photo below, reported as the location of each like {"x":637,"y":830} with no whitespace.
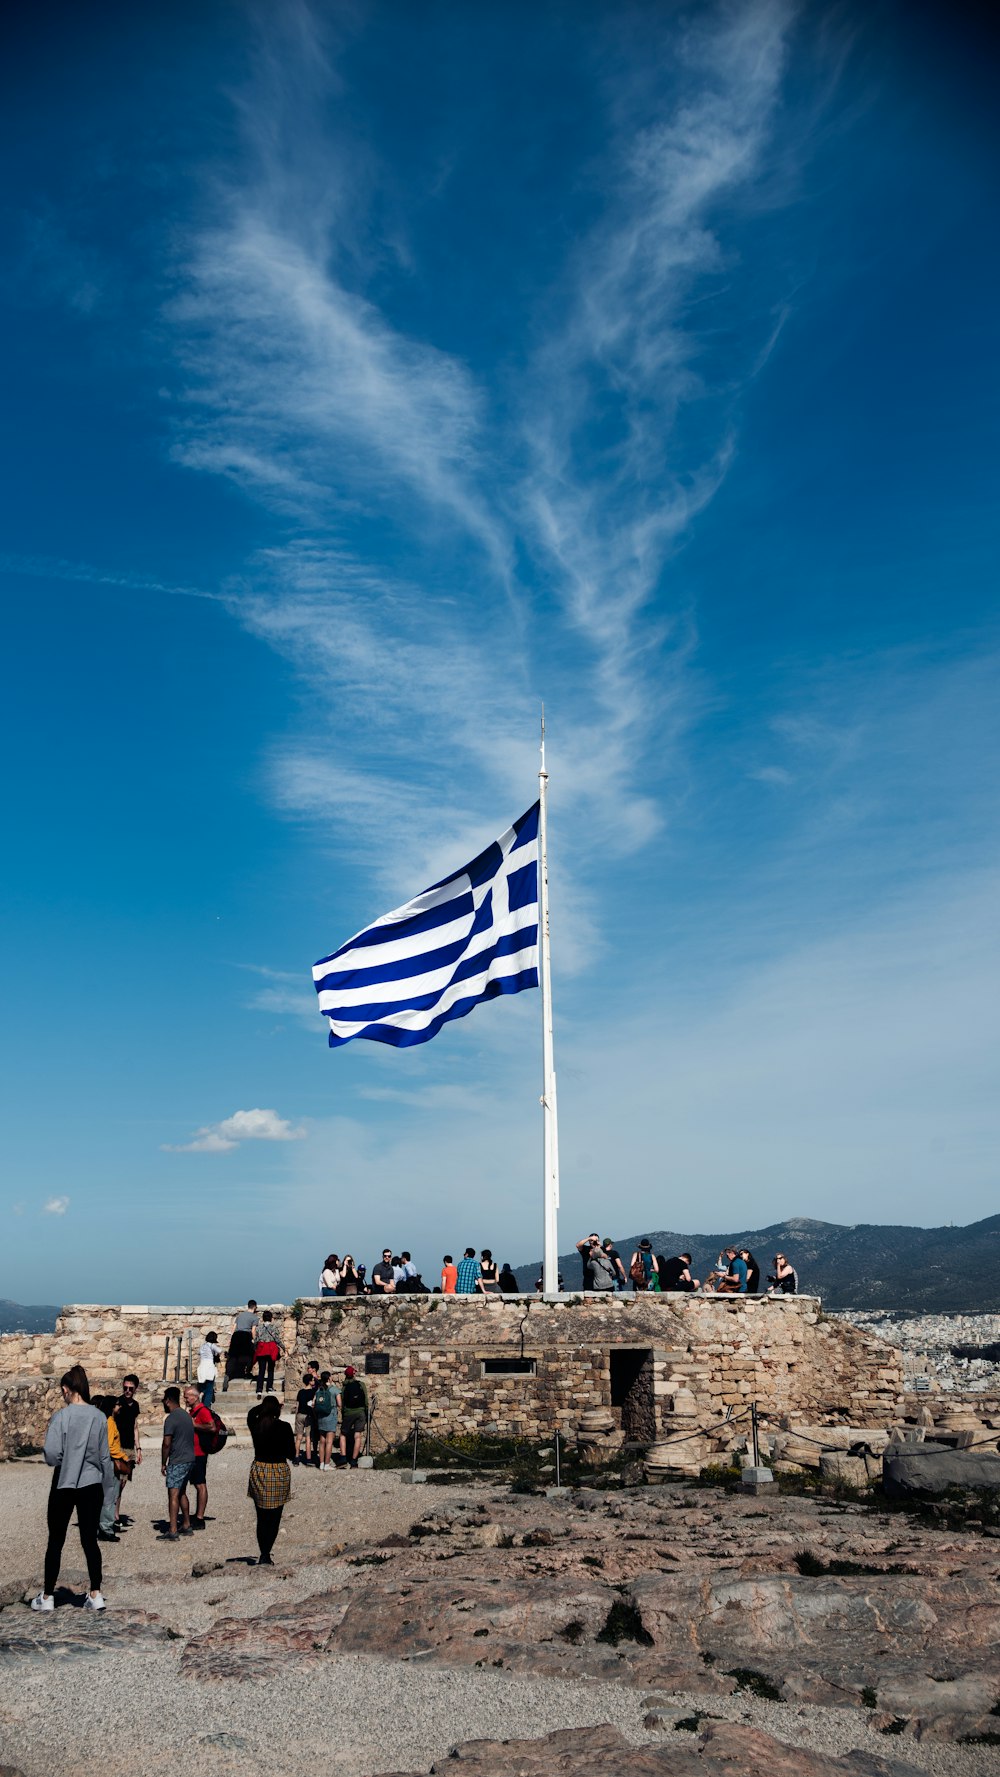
{"x":683,"y":1625}
{"x":602,"y":1752}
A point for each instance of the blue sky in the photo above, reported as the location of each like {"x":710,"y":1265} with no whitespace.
{"x":374,"y":373}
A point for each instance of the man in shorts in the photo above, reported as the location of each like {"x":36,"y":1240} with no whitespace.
{"x":176,"y":1463}
{"x":352,"y":1408}
{"x":304,"y":1416}
{"x":127,"y":1421}
{"x":198,"y":1478}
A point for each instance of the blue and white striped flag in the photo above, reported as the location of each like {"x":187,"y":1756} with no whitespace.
{"x":469,"y":938}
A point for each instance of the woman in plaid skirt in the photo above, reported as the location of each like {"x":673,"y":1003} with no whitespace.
{"x":270,"y":1477}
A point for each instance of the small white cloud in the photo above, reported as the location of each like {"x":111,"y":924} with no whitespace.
{"x":207,"y":1141}
{"x":771,"y":774}
{"x":56,"y":1206}
{"x":258,"y":1126}
{"x":220,"y":1138}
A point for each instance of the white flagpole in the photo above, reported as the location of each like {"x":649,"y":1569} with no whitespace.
{"x":550,"y":1124}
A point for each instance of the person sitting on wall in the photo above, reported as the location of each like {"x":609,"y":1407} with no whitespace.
{"x":735,"y":1281}
{"x":384,"y":1275}
{"x":784,"y":1279}
{"x":753,"y":1270}
{"x":329,"y":1277}
{"x":509,"y":1285}
{"x":540,"y":1283}
{"x":675,"y":1274}
{"x":449,"y":1276}
{"x":721,"y":1270}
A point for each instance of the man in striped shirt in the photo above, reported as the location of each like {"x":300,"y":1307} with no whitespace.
{"x":469,"y":1272}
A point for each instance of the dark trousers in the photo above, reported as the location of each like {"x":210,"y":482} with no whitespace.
{"x":267,"y":1527}
{"x":265,"y":1366}
{"x":88,"y":1502}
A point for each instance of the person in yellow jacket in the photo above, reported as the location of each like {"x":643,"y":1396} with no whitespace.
{"x":110,"y":1526}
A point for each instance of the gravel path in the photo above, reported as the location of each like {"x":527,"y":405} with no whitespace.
{"x":78,"y":1713}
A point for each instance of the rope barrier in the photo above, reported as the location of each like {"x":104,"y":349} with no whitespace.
{"x":948,"y":1450}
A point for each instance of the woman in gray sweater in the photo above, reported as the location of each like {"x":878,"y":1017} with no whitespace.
{"x":76,"y":1447}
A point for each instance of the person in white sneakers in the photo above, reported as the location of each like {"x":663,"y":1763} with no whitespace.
{"x":76,"y":1447}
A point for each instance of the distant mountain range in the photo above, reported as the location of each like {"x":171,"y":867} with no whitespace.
{"x":870,"y":1265}
{"x":35,"y":1317}
{"x":915,"y":1270}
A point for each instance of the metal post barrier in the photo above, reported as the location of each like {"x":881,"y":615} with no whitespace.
{"x":753,"y":1433}
{"x":166,"y":1356}
{"x":190,"y":1375}
{"x":558,"y":1478}
{"x":414,"y":1468}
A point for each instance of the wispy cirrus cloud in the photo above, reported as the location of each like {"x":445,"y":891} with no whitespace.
{"x":376,"y":446}
{"x":221,"y":1138}
{"x":41,"y":567}
{"x":616,"y":381}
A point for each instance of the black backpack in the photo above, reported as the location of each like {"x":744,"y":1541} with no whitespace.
{"x":213,"y":1438}
{"x":353,"y":1395}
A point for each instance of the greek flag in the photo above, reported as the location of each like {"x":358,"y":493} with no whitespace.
{"x":467,"y":939}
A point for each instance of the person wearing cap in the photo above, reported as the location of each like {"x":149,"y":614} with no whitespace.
{"x":352,"y":1411}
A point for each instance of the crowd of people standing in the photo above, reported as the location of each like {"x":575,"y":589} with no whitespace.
{"x":93,"y":1447}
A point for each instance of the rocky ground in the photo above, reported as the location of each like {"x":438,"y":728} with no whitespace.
{"x":928,"y":1343}
{"x":645,"y":1630}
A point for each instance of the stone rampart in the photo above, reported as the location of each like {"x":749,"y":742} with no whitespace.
{"x":514,"y":1366}
{"x":525,"y":1367}
{"x":159,"y":1344}
{"x":26,"y":1403}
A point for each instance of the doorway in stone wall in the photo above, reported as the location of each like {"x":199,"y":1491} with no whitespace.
{"x":632,"y":1392}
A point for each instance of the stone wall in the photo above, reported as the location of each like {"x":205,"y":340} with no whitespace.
{"x":26,"y":1403}
{"x":719,"y":1353}
{"x":711,"y":1353}
{"x":157,"y":1343}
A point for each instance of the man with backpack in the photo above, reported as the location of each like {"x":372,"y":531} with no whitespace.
{"x":353,"y":1409}
{"x":205,"y":1443}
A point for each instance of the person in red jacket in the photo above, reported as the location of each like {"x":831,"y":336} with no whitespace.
{"x":199,"y":1472}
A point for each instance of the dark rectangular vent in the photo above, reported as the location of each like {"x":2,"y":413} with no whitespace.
{"x":509,"y":1366}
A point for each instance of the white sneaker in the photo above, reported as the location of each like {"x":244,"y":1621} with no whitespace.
{"x":43,"y":1603}
{"x":94,"y":1601}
